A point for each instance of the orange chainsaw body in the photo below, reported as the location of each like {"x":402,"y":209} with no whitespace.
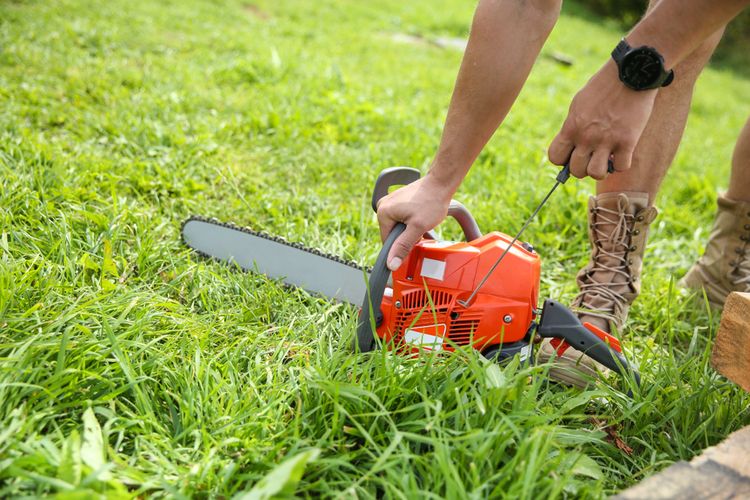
{"x":422,"y":308}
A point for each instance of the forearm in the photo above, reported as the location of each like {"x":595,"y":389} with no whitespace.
{"x":506,"y":37}
{"x":676,"y":27}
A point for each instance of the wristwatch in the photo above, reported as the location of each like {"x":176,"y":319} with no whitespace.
{"x":641,"y":68}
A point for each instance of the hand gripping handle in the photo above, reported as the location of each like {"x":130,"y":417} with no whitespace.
{"x":370,"y":312}
{"x":394,"y":176}
{"x":397,"y":176}
{"x":560,"y":322}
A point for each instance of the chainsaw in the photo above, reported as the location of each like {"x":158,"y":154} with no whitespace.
{"x":445,"y":295}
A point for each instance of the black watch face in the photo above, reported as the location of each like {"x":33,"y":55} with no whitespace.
{"x":641,"y":68}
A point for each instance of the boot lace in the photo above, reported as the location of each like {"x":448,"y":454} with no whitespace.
{"x":614,"y":244}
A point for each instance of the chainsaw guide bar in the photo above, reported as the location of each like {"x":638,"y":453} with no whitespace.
{"x":229,"y":243}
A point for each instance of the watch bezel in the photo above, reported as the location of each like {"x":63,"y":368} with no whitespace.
{"x":626,"y":56}
{"x":636,"y":56}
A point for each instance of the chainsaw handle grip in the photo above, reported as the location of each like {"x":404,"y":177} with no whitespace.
{"x":401,"y":176}
{"x":560,"y":322}
{"x":365,"y":340}
{"x":393,"y":176}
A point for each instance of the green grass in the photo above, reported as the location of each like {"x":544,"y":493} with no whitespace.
{"x":128,"y":367}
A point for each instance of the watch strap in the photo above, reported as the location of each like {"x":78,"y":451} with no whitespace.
{"x":620,"y":50}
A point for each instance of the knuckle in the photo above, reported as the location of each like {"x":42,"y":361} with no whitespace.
{"x":402,"y":248}
{"x":418,"y":223}
{"x":590,"y":137}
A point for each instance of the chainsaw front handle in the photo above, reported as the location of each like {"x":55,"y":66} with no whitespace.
{"x":394,"y":176}
{"x":558,"y":321}
{"x":370,"y":314}
{"x":401,"y":176}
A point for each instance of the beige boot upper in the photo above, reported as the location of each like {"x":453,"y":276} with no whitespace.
{"x":618,"y":229}
{"x":725,"y":265}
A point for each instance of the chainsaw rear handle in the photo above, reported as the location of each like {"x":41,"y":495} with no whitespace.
{"x":370,"y":312}
{"x":560,"y":322}
{"x":401,"y":176}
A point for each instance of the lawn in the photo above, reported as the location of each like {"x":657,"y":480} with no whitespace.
{"x":130,"y":367}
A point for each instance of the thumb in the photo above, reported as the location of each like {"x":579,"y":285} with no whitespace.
{"x":402,"y":246}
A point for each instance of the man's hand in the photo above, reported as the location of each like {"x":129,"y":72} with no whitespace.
{"x":421,"y":205}
{"x":605,"y":121}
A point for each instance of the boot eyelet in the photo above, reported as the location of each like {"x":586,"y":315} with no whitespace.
{"x":633,"y":248}
{"x":639,"y":218}
{"x":630,"y":262}
{"x":636,"y":232}
{"x":747,"y":227}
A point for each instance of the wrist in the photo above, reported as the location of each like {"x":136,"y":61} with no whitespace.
{"x":444,"y":182}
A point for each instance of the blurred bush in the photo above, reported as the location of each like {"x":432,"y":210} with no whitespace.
{"x":733,"y":49}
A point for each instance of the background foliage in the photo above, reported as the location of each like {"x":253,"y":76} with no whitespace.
{"x":734,"y":45}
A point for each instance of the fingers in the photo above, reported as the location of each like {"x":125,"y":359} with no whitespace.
{"x":560,"y":149}
{"x":579,"y":162}
{"x":403,"y":245}
{"x":385,"y":222}
{"x":597,"y":167}
{"x":622,"y":158}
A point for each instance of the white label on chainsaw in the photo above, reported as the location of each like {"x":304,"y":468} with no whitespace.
{"x":417,"y":336}
{"x":524,"y":352}
{"x":432,"y":268}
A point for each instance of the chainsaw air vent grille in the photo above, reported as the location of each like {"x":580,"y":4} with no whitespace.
{"x":417,"y":299}
{"x":417,"y":318}
{"x":463,"y":328}
{"x":419,"y":309}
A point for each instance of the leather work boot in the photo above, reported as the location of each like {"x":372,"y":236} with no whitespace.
{"x":725,"y":265}
{"x":610,"y":282}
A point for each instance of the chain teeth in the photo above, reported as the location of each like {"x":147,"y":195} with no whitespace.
{"x":261,"y":234}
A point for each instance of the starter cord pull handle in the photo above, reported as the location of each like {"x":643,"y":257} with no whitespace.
{"x":564,"y":174}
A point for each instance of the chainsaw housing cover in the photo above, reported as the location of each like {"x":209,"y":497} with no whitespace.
{"x":422,"y":309}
